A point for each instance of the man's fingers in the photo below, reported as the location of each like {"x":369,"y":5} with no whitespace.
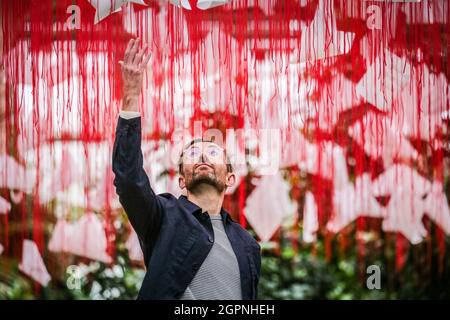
{"x":129,"y":54}
{"x":126,"y":58}
{"x":134,"y":50}
{"x":144,"y":63}
{"x":135,"y":59}
{"x":138,"y":58}
{"x":129,"y":44}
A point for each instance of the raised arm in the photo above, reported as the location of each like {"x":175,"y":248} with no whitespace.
{"x":141,"y":204}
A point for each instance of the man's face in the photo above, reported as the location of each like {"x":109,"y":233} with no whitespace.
{"x":205,"y":163}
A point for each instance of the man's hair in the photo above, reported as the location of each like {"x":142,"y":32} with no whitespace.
{"x":180,"y":162}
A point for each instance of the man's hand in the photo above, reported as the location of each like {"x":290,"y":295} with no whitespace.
{"x":133,"y":66}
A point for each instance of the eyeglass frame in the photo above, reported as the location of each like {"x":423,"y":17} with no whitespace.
{"x":194,"y":141}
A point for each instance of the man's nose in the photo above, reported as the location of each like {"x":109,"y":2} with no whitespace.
{"x":204,"y":158}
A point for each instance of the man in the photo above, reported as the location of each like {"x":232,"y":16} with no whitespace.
{"x":192,"y":248}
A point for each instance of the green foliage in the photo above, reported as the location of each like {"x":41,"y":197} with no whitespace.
{"x":94,"y":280}
{"x":12,"y":284}
{"x":308,"y":274}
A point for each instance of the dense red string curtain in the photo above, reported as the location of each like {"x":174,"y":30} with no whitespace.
{"x":340,"y":110}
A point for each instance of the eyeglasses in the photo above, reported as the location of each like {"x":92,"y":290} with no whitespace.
{"x":212,"y":152}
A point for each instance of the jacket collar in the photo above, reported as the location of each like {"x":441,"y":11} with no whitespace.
{"x":194,"y":209}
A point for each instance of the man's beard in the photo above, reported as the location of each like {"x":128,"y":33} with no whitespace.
{"x":210,"y":179}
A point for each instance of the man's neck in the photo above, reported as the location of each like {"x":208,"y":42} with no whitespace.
{"x":207,"y":198}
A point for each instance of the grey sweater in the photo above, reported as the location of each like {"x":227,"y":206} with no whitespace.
{"x":218,"y":278}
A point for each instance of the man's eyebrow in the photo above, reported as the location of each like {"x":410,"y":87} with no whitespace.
{"x":216,"y":145}
{"x":195,"y":144}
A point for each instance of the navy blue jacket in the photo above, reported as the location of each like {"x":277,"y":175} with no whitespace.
{"x":175,"y":235}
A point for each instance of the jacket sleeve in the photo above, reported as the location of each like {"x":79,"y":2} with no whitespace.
{"x":143,"y":207}
{"x":258,"y":270}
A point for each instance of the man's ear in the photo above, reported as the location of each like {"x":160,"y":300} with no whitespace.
{"x":231,"y":179}
{"x":181,"y":182}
